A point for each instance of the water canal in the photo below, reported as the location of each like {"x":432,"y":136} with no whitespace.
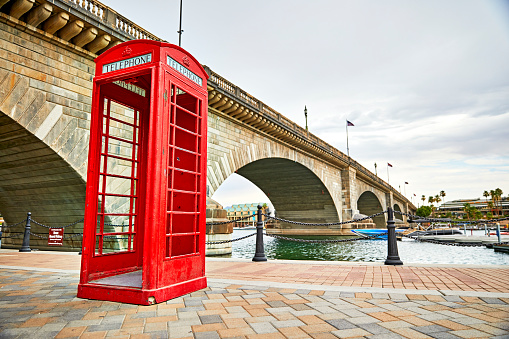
{"x":410,"y":251}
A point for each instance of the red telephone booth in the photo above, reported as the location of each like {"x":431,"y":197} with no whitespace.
{"x":144,"y":233}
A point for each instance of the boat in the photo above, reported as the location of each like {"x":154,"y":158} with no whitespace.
{"x":370,"y":232}
{"x":501,"y":248}
{"x":436,"y":231}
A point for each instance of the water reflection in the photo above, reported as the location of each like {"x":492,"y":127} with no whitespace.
{"x":367,"y":251}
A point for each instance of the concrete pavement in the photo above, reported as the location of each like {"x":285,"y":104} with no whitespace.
{"x":276,"y":299}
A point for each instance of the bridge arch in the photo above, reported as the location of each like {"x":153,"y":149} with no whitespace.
{"x":397,"y":208}
{"x":274,"y":167}
{"x":36,"y":179}
{"x":369,"y":204}
{"x":294,"y":190}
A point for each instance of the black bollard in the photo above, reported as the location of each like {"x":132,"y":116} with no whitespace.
{"x":25,"y":247}
{"x":260,"y":251}
{"x":392,"y":245}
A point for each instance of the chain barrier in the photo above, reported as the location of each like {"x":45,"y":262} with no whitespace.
{"x":326,"y":241}
{"x":38,"y":236}
{"x":71,"y":224}
{"x":324,"y":224}
{"x":416,"y":217}
{"x":114,"y":236}
{"x":227,"y":241}
{"x":231,"y":221}
{"x":12,"y":236}
{"x":13,"y":225}
{"x":74,"y":235}
{"x":458,"y":244}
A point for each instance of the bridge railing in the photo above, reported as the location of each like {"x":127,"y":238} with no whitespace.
{"x":111,"y":18}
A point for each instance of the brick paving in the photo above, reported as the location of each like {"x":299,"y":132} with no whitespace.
{"x":422,"y":277}
{"x":38,"y":300}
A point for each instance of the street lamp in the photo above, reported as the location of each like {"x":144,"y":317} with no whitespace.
{"x":180,"y":25}
{"x":306,"y":115}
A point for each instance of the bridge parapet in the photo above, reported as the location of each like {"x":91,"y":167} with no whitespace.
{"x":83,"y":25}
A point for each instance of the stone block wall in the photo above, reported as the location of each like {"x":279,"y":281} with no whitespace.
{"x":45,"y":98}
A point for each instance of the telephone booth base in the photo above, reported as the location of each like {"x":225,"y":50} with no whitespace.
{"x":131,"y":295}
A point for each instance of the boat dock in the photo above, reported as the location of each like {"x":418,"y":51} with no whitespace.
{"x":466,"y":239}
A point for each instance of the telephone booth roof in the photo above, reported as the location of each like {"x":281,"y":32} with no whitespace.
{"x":134,"y":55}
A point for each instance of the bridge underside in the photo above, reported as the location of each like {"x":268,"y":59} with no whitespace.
{"x":296,"y":192}
{"x":36,"y":179}
{"x":369,"y":204}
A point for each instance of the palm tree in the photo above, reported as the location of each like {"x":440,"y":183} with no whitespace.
{"x":492,"y":193}
{"x":431,"y":200}
{"x":490,"y":207}
{"x":437,"y":200}
{"x":486,"y":194}
{"x":442,"y":194}
{"x":471,"y":212}
{"x":423,"y":198}
{"x":498,"y":195}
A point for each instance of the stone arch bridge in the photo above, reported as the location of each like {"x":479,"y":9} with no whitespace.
{"x":47,"y":50}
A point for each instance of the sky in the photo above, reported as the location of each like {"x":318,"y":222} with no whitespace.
{"x":425,"y":82}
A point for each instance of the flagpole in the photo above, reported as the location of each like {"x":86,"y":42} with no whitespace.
{"x":388,"y":174}
{"x":347,"y":149}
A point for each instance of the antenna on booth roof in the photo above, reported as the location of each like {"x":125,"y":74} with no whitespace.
{"x":180,"y":25}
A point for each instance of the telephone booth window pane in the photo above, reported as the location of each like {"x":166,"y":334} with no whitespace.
{"x":185,"y":160}
{"x":184,"y":181}
{"x":183,"y":223}
{"x":182,"y":245}
{"x":185,"y":140}
{"x":118,"y":179}
{"x":186,"y":100}
{"x":186,"y":120}
{"x":184,"y":202}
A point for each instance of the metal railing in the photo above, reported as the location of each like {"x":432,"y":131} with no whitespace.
{"x":110,"y":18}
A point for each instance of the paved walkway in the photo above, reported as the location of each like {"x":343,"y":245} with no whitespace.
{"x":262,"y":300}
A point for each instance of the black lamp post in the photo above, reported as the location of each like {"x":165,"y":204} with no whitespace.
{"x":259,"y":251}
{"x":392,"y":245}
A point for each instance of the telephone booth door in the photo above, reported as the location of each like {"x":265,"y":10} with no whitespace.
{"x":123,"y":118}
{"x":144,"y":233}
{"x":185,"y":195}
{"x":116,"y":182}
